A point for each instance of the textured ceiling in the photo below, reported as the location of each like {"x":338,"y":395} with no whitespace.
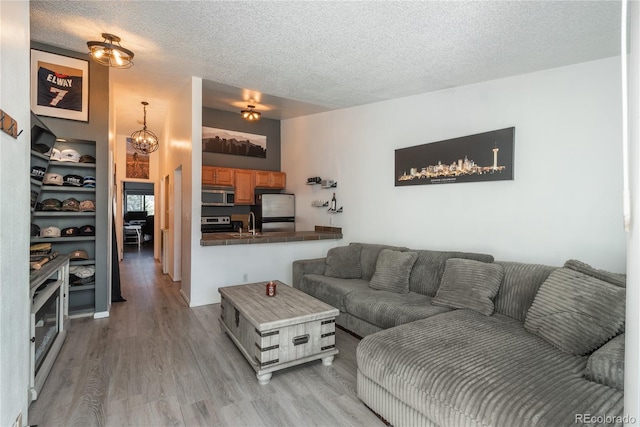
{"x":297,"y":58}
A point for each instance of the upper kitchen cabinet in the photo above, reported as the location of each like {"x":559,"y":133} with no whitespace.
{"x":212,"y":175}
{"x":245,"y":187}
{"x":270,"y":179}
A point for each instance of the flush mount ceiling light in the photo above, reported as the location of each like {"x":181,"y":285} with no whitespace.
{"x":109,"y":52}
{"x":250,"y":113}
{"x":144,"y":141}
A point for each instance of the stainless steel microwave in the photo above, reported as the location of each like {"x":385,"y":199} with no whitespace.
{"x":217,"y":197}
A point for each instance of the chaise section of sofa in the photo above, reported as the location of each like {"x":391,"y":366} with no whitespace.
{"x":464,"y":368}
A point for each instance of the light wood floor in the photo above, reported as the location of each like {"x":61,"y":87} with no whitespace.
{"x":157,"y":362}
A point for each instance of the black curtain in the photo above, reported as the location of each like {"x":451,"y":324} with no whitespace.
{"x":116,"y":292}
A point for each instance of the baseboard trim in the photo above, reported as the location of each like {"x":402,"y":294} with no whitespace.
{"x":101,"y":315}
{"x":185,"y":297}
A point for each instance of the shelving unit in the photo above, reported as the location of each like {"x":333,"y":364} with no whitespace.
{"x":82,"y":298}
{"x":324,"y":184}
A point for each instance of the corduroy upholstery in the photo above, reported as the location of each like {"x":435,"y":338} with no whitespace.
{"x":386,"y":309}
{"x":575,"y":312}
{"x":331,"y":290}
{"x":519,"y":287}
{"x":344,"y":262}
{"x":463,"y":368}
{"x":427,"y":272}
{"x":369,"y":257}
{"x":606,"y":364}
{"x":469,"y":284}
{"x":392,"y":271}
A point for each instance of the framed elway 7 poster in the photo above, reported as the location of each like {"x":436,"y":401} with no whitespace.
{"x":59,"y":86}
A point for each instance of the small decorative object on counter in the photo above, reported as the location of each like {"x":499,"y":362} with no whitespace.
{"x":333,"y":203}
{"x":271,"y":289}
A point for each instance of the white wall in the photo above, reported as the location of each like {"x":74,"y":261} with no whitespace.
{"x":176,"y":151}
{"x":14,"y":213}
{"x":565,"y":201}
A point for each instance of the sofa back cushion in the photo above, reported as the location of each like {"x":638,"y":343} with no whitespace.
{"x":343,"y":262}
{"x":519,"y":287}
{"x":429,"y":267}
{"x":575,"y":312}
{"x":369,"y":257}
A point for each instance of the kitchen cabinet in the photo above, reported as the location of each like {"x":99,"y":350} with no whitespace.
{"x":270,"y":179}
{"x":245,"y":187}
{"x":212,"y":175}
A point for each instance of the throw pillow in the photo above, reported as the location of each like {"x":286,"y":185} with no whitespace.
{"x":393,"y":269}
{"x":576,"y":312}
{"x":343,"y":262}
{"x":469,"y":284}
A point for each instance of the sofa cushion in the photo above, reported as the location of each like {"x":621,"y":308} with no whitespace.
{"x":606,"y":364}
{"x":426,"y":274}
{"x":331,"y":290}
{"x":613,"y":278}
{"x":387,"y":309}
{"x":519,"y":287}
{"x":369,"y":256}
{"x":463,"y":368}
{"x":575,"y":312}
{"x":392,"y":271}
{"x":469,"y":284}
{"x":343,"y":262}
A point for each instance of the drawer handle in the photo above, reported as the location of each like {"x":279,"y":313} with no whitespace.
{"x":237,"y":318}
{"x":302,"y":339}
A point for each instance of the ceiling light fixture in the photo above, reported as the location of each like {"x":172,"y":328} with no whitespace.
{"x":250,"y":113}
{"x":144,"y":141}
{"x":109,"y":52}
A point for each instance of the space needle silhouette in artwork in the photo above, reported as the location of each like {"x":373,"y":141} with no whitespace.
{"x":456,"y":168}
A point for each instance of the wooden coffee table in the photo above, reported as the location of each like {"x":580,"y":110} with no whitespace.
{"x":276,"y":332}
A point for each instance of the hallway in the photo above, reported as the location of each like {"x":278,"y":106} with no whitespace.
{"x":157,"y":362}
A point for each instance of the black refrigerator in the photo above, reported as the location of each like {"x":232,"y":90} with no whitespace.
{"x":275,"y":212}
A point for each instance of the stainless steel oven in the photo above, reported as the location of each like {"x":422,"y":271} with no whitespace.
{"x":217,"y":196}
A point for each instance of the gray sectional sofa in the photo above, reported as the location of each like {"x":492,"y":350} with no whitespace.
{"x":456,"y":338}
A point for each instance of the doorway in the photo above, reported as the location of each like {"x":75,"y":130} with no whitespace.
{"x":138,"y":216}
{"x":177,"y":224}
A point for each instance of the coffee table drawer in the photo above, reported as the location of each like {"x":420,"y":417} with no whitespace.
{"x":294,"y":342}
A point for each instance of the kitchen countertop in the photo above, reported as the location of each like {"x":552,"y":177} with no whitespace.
{"x":224,"y":239}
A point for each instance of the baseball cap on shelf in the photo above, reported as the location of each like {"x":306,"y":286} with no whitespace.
{"x":87,"y":230}
{"x":40,"y":247}
{"x":53,"y":179}
{"x":51,"y":205}
{"x":37,"y":172}
{"x":50,"y":232}
{"x":35,"y":230}
{"x":89,"y":181}
{"x":71,"y":205}
{"x":69,"y":232}
{"x":73,"y":180}
{"x":87,"y":158}
{"x":69,"y":155}
{"x":79,"y":254}
{"x":54,"y":154}
{"x":34,"y":197}
{"x":40,"y":148}
{"x":87,"y":206}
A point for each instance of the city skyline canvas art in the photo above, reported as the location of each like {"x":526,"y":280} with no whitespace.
{"x":487,"y":156}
